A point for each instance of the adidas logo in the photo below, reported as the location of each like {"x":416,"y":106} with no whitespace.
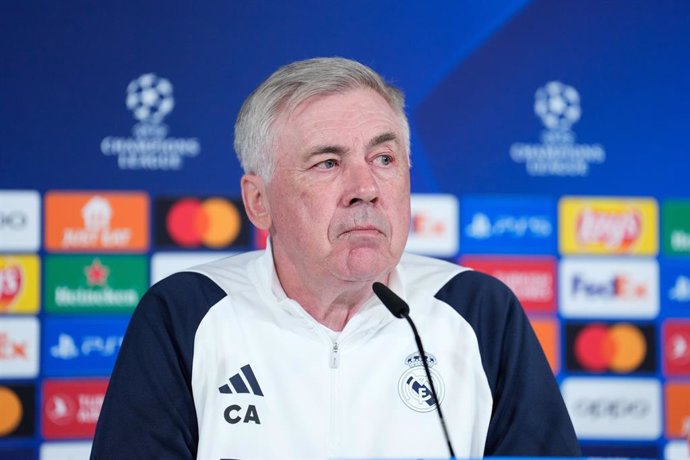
{"x":238,"y":383}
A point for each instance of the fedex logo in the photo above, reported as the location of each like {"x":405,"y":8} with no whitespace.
{"x":433,"y":225}
{"x":19,"y":347}
{"x":620,"y":286}
{"x":609,"y":288}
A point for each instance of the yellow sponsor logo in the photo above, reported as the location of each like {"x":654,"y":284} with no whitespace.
{"x":608,"y":226}
{"x":19,"y":282}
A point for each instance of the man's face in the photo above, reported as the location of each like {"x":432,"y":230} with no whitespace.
{"x":339,"y":199}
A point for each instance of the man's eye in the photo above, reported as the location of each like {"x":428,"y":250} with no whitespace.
{"x":327,"y":164}
{"x":384,"y":159}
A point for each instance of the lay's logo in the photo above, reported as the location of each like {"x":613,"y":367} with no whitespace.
{"x":19,"y":284}
{"x":608,"y":226}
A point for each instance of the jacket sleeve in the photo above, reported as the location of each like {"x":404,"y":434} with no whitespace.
{"x":529,"y":417}
{"x":148,"y":410}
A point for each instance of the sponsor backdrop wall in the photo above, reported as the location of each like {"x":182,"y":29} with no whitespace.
{"x":549,"y":148}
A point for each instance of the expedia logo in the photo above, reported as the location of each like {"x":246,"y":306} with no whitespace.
{"x":414,"y":387}
{"x":201,"y":222}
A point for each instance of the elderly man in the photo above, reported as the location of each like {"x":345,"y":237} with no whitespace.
{"x":286,"y":353}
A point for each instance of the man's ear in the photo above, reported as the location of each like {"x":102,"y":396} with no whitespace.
{"x":256,"y":201}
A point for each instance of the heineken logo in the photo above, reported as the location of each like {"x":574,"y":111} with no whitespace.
{"x":100,"y":284}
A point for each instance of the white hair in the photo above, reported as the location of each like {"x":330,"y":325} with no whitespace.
{"x":292,"y":85}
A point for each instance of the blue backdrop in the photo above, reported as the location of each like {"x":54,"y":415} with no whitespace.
{"x":481,"y":79}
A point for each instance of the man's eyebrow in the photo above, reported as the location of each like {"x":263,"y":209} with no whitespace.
{"x":320,"y":149}
{"x":383,"y":138}
{"x":340,"y":150}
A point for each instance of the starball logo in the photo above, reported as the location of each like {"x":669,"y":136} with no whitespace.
{"x":150,"y":98}
{"x":558,"y":107}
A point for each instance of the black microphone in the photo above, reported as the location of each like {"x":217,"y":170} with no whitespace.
{"x":399,"y":308}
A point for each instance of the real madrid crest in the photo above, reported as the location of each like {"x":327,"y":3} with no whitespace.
{"x":414,"y":388}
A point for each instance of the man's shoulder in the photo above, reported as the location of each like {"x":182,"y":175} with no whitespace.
{"x":231,"y":266}
{"x":455,"y":284}
{"x":415,"y":263}
{"x":222,"y":275}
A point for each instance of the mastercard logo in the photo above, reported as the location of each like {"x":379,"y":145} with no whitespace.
{"x":620,"y":348}
{"x":12,"y":411}
{"x":213,"y":222}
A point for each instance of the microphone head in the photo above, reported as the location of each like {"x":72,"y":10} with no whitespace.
{"x":390,"y":299}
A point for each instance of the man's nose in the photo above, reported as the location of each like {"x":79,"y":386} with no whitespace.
{"x":361,"y":186}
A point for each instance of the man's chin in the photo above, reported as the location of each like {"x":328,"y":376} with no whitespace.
{"x":368,"y":264}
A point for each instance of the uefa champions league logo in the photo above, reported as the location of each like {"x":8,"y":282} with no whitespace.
{"x":150,"y":99}
{"x":558,"y":106}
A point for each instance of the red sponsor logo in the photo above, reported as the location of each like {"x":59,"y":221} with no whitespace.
{"x":532,"y":279}
{"x":10,"y":285}
{"x":71,"y":407}
{"x":96,"y":273}
{"x":613,"y":229}
{"x":676,"y":341}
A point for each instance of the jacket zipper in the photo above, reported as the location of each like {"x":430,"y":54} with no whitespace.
{"x":335,"y":357}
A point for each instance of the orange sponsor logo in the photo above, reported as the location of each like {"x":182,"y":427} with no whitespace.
{"x":677,"y":410}
{"x":96,"y":221}
{"x":547,"y":333}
